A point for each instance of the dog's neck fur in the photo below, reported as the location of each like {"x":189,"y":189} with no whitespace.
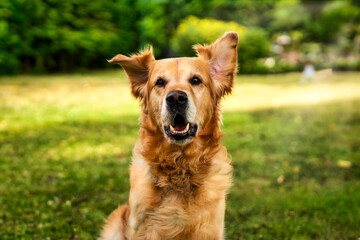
{"x":174,"y":167}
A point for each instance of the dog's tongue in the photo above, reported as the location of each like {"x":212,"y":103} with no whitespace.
{"x":180,"y":127}
{"x":179,"y":123}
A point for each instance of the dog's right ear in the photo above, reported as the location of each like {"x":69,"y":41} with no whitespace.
{"x":137,"y":69}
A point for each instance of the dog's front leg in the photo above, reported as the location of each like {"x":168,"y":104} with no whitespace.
{"x":116,"y":224}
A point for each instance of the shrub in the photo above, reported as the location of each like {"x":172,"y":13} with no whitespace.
{"x":343,"y":64}
{"x":41,"y":36}
{"x":253,"y":42}
{"x":253,"y":45}
{"x":193,"y":30}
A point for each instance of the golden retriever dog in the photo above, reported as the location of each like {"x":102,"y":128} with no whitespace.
{"x":180,"y":172}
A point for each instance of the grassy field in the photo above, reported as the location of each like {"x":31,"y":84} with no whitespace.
{"x":66,"y":141}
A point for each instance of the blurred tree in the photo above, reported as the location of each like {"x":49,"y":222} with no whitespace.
{"x":55,"y":35}
{"x":288,"y":16}
{"x":327,"y":24}
{"x":159,"y":19}
{"x":246,"y":12}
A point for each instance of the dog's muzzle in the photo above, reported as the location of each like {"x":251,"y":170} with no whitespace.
{"x":179,"y":129}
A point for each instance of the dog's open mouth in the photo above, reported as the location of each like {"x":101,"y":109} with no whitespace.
{"x":180,"y":129}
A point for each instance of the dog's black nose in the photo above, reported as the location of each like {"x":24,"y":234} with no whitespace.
{"x":176,"y":98}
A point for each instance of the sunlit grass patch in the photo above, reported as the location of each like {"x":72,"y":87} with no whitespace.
{"x":27,"y":101}
{"x":259,"y":92}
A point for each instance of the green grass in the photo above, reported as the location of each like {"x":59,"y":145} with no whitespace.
{"x":66,"y":141}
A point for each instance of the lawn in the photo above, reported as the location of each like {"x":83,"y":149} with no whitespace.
{"x":66,"y":141}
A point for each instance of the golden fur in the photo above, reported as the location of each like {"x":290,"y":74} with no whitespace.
{"x":178,"y":190}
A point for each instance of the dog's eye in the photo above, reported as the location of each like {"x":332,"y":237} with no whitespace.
{"x":160,"y":82}
{"x":195,"y":81}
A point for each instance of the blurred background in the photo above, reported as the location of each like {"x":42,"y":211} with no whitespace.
{"x":68,"y":122}
{"x":39,"y":36}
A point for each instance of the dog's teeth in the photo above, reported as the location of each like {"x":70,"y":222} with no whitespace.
{"x":172,"y":129}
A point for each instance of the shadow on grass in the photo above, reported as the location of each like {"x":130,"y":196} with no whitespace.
{"x":302,"y":142}
{"x":296,"y":172}
{"x":61,"y":180}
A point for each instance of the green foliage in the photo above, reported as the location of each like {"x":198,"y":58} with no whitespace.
{"x":62,"y":35}
{"x":253,"y":42}
{"x":55,"y":35}
{"x":246,"y":12}
{"x":160,"y":19}
{"x":193,"y":30}
{"x":289,"y":15}
{"x":345,"y":65}
{"x":328,"y":23}
{"x":253,"y":45}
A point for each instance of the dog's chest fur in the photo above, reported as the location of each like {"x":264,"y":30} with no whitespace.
{"x":183,"y":198}
{"x":180,"y":180}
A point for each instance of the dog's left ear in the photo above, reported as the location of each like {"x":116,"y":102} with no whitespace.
{"x":137,"y":68}
{"x":222,"y":58}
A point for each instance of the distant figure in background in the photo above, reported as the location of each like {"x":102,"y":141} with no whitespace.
{"x":308,"y":73}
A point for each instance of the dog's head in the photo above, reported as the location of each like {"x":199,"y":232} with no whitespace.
{"x":181,"y":95}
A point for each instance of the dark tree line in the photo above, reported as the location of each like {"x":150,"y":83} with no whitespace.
{"x":57,"y":35}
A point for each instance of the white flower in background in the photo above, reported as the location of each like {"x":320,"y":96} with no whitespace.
{"x":270,"y":62}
